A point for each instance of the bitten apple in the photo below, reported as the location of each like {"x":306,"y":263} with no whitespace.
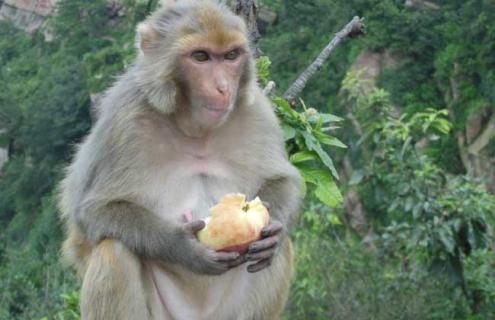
{"x":234,"y":223}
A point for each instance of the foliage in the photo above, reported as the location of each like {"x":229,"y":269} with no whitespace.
{"x":429,"y":251}
{"x":305,"y":134}
{"x":428,"y":220}
{"x":303,"y":28}
{"x":32,"y":284}
{"x":71,"y":307}
{"x":339,"y":278}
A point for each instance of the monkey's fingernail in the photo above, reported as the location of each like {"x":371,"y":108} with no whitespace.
{"x":234,"y":255}
{"x":253,"y":248}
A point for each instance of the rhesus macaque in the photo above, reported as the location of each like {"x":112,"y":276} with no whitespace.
{"x":185,"y":125}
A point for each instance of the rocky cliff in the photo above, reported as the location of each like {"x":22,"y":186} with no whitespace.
{"x":27,"y":14}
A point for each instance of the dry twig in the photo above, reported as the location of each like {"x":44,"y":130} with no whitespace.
{"x":352,"y":29}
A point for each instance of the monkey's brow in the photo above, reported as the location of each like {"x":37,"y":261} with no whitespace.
{"x":216,"y":51}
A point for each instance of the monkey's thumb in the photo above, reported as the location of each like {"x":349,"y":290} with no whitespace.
{"x":195,"y":226}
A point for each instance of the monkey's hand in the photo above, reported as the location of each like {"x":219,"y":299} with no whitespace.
{"x":203,"y":260}
{"x":264,"y":249}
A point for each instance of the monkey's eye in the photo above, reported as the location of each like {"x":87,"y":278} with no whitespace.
{"x":200,"y":56}
{"x":232,"y":55}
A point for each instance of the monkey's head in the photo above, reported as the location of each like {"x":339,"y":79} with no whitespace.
{"x":195,"y":56}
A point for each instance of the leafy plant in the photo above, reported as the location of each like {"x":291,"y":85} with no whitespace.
{"x":306,"y":135}
{"x":429,"y":220}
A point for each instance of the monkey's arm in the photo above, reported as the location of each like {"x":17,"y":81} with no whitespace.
{"x":283,"y":197}
{"x":152,"y":237}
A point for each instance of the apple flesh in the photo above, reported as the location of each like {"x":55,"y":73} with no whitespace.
{"x":234,"y":223}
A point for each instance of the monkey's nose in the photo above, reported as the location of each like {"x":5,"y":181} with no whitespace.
{"x":222,"y":90}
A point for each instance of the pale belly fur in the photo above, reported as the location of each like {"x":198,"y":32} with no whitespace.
{"x":178,"y":294}
{"x":182,"y":295}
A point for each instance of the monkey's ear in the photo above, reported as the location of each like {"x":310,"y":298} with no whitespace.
{"x":146,"y":36}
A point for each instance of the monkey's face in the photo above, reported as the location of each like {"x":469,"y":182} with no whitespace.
{"x":210,"y":81}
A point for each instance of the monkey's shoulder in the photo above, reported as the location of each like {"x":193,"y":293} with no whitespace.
{"x":260,"y":118}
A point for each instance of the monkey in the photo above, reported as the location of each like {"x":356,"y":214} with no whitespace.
{"x":180,"y":128}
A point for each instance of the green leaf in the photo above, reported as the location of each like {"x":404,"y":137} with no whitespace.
{"x":303,"y":156}
{"x":314,"y":145}
{"x":446,"y":238}
{"x":285,"y":106}
{"x":263,"y":66}
{"x":327,"y":191}
{"x":409,"y":204}
{"x":406,"y":144}
{"x":329,"y":140}
{"x":417,"y":211}
{"x":289,"y":132}
{"x":308,"y":173}
{"x":471,"y":236}
{"x":326,"y":118}
{"x":333,"y":219}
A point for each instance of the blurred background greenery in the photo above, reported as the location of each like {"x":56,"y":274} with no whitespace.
{"x":399,"y":224}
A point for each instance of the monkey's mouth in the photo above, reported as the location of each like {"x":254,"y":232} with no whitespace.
{"x":216,"y":112}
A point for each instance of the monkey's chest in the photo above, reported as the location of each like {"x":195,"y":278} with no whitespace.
{"x":196,"y":184}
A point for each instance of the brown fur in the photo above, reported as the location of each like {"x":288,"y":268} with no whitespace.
{"x":147,"y":160}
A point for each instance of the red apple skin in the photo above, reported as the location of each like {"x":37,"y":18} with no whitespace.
{"x":241,"y":248}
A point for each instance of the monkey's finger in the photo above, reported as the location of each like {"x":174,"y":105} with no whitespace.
{"x":242,"y":259}
{"x":266,"y":204}
{"x":194,"y":226}
{"x":225,"y":256}
{"x":263,"y":244}
{"x":260,"y":265}
{"x":271,"y":229}
{"x":265,"y":254}
{"x":214,"y":268}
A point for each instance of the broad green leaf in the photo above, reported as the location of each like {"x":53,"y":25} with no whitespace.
{"x":284,"y":105}
{"x":310,"y":140}
{"x":312,"y":144}
{"x":289,"y":132}
{"x":417,"y":210}
{"x":263,"y":66}
{"x":445,"y":236}
{"x":409,"y":204}
{"x":308,"y":173}
{"x":303,"y":156}
{"x":329,"y":140}
{"x":334,"y":219}
{"x":325,"y":158}
{"x":319,"y":124}
{"x":326,"y":117}
{"x":327,"y":191}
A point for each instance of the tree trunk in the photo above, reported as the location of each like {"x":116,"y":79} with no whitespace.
{"x":248,"y":10}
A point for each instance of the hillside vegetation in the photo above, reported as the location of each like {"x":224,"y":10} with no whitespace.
{"x":395,"y":138}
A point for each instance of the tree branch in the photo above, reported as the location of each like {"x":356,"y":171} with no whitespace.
{"x":352,"y":29}
{"x":483,"y":139}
